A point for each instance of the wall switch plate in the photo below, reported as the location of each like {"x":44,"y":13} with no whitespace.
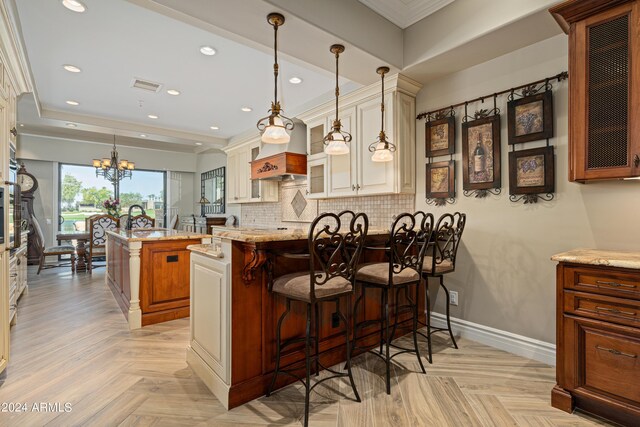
{"x":453,"y":297}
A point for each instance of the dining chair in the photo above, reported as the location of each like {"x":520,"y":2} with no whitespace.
{"x":52,"y":251}
{"x":141,"y":221}
{"x":402,"y":272}
{"x":441,"y":261}
{"x":335,"y":242}
{"x":98,"y":227}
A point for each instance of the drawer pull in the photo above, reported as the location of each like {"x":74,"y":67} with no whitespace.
{"x":615,"y":284}
{"x":617,"y":352}
{"x":616,"y":311}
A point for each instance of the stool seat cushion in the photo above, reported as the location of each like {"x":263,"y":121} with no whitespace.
{"x":378,"y":273}
{"x":63,"y":249}
{"x":444,"y":267}
{"x":298,"y":286}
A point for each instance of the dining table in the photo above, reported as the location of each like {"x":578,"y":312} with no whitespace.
{"x":81,"y":238}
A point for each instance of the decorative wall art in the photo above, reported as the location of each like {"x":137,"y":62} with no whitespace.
{"x":531,"y":175}
{"x":530,"y":118}
{"x":440,"y":179}
{"x":440,"y":136}
{"x":481,"y":156}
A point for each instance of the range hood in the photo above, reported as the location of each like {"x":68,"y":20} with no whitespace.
{"x":278,"y":162}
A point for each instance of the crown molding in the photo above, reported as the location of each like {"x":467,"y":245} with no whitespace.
{"x":12,"y":52}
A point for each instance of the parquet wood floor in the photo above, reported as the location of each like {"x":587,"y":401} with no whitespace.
{"x":71,"y":345}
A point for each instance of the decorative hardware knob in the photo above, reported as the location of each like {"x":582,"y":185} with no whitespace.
{"x":353,"y":188}
{"x":14,"y":132}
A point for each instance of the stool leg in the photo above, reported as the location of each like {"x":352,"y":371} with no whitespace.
{"x":414,"y":306}
{"x":382,"y":320}
{"x":428,"y":305}
{"x":307,"y":356}
{"x":446,"y":291}
{"x":278,"y":331}
{"x":355,"y":323}
{"x":397,"y":313}
{"x":317,"y":340}
{"x":386,"y":338}
{"x":345,"y":319}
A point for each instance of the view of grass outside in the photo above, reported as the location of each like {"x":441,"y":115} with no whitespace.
{"x":82,"y":194}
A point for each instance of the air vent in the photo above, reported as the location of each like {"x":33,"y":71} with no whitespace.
{"x":146,"y":85}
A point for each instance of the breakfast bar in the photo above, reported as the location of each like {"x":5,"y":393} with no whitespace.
{"x":232,"y":347}
{"x":147,"y":271}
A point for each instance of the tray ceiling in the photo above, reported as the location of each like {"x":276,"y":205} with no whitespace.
{"x":404,"y":13}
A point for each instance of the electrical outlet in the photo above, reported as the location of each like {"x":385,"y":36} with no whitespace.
{"x":335,"y":320}
{"x":453,"y":297}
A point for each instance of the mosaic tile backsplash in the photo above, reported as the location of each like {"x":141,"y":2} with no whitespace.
{"x":380,"y":210}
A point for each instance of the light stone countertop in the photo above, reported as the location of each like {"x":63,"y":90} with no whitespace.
{"x":620,"y":259}
{"x":153,"y":234}
{"x":207,"y":250}
{"x":258,"y":235}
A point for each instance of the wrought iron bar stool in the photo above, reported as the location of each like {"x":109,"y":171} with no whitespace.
{"x":441,"y":261}
{"x":335,"y":246}
{"x":408,"y":240}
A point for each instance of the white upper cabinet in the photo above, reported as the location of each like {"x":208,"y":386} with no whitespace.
{"x":240,"y":187}
{"x":355,"y":174}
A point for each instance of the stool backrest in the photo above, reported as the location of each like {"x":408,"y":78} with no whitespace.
{"x":98,"y":226}
{"x":409,"y":238}
{"x":140,"y":221}
{"x":447,"y":240}
{"x":335,"y":245}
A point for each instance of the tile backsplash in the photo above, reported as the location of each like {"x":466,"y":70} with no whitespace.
{"x":379,"y":209}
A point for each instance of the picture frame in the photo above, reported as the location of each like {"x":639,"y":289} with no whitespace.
{"x":440,"y":180}
{"x":530,"y":118}
{"x":440,"y":137}
{"x":212,"y":187}
{"x":532,"y":171}
{"x":481,"y":154}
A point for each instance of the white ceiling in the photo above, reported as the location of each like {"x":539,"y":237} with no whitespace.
{"x":404,"y":13}
{"x":115,"y":41}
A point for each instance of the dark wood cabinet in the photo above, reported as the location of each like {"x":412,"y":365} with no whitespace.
{"x":598,"y":341}
{"x":604,"y":98}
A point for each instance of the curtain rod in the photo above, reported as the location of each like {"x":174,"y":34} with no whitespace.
{"x":560,"y":77}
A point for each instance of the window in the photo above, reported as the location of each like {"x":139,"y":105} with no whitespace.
{"x":145,"y":188}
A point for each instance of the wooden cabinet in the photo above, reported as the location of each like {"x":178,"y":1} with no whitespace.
{"x":240,"y":187}
{"x":354,"y":174}
{"x":17,"y":277}
{"x":604,"y":100}
{"x":598,"y":341}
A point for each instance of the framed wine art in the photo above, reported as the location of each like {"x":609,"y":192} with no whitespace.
{"x":531,"y":174}
{"x":440,"y":182}
{"x":440,"y":137}
{"x":481,"y":172}
{"x":530,"y":118}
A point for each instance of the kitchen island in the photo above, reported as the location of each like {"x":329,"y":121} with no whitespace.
{"x":232,"y":346}
{"x":148,"y":273}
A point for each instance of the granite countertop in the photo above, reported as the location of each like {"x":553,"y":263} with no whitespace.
{"x":152,"y":234}
{"x":600,"y":257}
{"x":207,"y":250}
{"x":257,"y":235}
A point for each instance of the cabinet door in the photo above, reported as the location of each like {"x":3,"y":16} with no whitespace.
{"x":4,"y":310}
{"x":316,"y":131}
{"x":254,"y":184}
{"x":374,"y":177}
{"x":317,"y":178}
{"x":605,"y":102}
{"x":12,"y":111}
{"x":342,"y":169}
{"x":232,"y":177}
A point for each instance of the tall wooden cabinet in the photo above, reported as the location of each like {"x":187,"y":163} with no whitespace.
{"x":604,"y":87}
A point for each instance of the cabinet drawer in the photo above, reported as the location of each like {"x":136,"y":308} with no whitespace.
{"x":610,"y":309}
{"x":603,"y":281}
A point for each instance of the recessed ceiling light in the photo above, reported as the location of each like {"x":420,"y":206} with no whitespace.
{"x":74,"y":5}
{"x":198,"y":143}
{"x":73,"y":103}
{"x":207,"y":50}
{"x":71,"y":68}
{"x":72,"y":125}
{"x":152,"y":116}
{"x":214,"y":127}
{"x":173,"y":92}
{"x":246,"y":109}
{"x":295,"y":80}
{"x":142,"y":135}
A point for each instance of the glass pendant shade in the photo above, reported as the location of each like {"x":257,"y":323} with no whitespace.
{"x":337,"y":145}
{"x":382,"y":154}
{"x":382,"y":149}
{"x":276,"y":133}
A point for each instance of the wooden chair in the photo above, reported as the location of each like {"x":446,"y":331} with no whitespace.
{"x":441,"y":261}
{"x":52,"y":251}
{"x":140,"y":221}
{"x":98,"y":226}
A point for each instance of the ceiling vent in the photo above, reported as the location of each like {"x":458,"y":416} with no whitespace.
{"x":147,"y":85}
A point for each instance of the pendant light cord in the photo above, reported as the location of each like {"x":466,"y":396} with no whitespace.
{"x":337,"y":87}
{"x":382,"y":104}
{"x":275,"y":64}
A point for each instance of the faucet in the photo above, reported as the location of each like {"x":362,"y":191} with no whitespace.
{"x":129,"y":221}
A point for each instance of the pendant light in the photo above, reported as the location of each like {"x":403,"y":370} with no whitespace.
{"x":382,"y":149}
{"x":337,"y":141}
{"x":275,"y":127}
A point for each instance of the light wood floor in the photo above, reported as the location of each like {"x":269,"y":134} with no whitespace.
{"x":71,"y":345}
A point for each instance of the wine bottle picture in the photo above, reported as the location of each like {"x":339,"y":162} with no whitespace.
{"x":479,"y":157}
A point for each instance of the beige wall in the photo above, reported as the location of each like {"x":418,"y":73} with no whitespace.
{"x":504,"y":276}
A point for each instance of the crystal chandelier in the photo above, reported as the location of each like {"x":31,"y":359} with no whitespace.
{"x":275,"y":127}
{"x":113,"y":169}
{"x":337,"y":141}
{"x":382,"y":149}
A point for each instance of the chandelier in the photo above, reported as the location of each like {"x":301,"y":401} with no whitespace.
{"x":113,"y":169}
{"x":336,"y":141}
{"x":275,"y":127}
{"x":382,"y":149}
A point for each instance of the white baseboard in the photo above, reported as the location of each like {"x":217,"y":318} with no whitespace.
{"x":513,"y":343}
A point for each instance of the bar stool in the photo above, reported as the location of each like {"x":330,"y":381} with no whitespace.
{"x":441,"y":261}
{"x":408,"y":240}
{"x":335,"y":245}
